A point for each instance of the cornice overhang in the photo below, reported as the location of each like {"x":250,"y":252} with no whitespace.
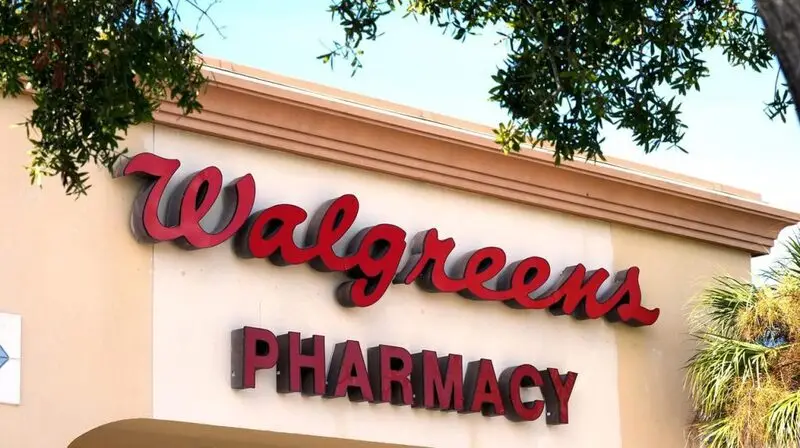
{"x":300,"y":118}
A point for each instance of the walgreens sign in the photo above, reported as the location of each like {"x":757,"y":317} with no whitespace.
{"x":372,"y":260}
{"x":371,"y":264}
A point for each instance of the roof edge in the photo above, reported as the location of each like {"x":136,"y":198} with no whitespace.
{"x":448,"y":121}
{"x":271,"y":111}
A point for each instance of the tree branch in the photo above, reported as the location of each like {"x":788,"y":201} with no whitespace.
{"x":782,"y":25}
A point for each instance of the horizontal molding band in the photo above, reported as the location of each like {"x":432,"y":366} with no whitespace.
{"x":272,"y":116}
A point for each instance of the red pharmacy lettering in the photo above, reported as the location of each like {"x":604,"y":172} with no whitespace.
{"x":392,"y":375}
{"x":438,"y":382}
{"x":347,"y":374}
{"x":372,"y":257}
{"x":557,"y":391}
{"x":391,"y":381}
{"x":301,"y":364}
{"x":481,"y":390}
{"x":512,"y":380}
{"x":252,"y":349}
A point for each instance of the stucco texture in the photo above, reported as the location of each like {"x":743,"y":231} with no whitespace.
{"x":82,"y":286}
{"x":654,"y":408}
{"x":200,"y":296}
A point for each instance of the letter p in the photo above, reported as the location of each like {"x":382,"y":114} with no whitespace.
{"x":252,"y":349}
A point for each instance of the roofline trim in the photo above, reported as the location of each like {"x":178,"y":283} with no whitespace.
{"x":263,"y":112}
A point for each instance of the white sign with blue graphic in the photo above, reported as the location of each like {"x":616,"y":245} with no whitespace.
{"x":10,"y":358}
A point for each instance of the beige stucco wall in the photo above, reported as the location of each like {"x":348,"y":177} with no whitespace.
{"x":654,"y":408}
{"x":99,"y":323}
{"x":82,"y":286}
{"x":200,"y":296}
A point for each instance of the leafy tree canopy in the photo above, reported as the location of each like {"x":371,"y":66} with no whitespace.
{"x":97,"y":67}
{"x":574,"y":65}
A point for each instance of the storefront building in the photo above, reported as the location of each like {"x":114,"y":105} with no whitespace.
{"x":339,"y":291}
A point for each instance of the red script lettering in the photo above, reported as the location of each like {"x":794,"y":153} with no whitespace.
{"x":372,"y":257}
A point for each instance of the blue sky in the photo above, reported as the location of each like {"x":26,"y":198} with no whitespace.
{"x":729,"y":138}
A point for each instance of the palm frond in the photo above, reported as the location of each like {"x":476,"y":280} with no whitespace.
{"x":789,"y":265}
{"x":719,"y":433}
{"x":719,"y":364}
{"x":744,"y":379}
{"x":783,"y":422}
{"x":768,"y":319}
{"x":750,"y":410}
{"x":717,"y":309}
